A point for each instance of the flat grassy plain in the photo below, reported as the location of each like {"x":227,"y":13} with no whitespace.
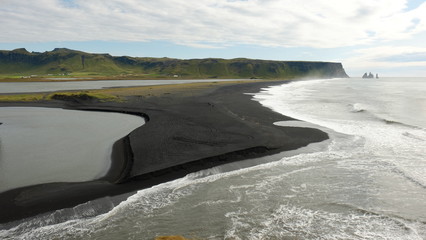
{"x":36,"y":97}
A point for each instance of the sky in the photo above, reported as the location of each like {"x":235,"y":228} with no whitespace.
{"x":387,"y":37}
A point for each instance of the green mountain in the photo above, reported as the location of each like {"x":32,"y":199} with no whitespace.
{"x":20,"y":62}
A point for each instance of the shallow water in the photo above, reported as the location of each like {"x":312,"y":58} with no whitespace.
{"x":43,"y":145}
{"x":32,"y":87}
{"x":368,"y":181}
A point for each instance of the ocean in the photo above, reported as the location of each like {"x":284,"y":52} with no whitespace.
{"x":368,"y":181}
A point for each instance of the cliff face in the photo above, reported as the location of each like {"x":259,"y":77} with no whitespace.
{"x":61,"y":60}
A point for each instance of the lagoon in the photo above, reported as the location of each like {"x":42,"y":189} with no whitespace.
{"x":32,"y":87}
{"x":45,"y":145}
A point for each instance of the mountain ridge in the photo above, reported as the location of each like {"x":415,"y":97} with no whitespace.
{"x":63,"y":61}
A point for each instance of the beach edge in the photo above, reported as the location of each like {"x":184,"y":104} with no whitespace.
{"x":244,"y":125}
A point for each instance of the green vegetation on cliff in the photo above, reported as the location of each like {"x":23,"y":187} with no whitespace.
{"x":62,"y":61}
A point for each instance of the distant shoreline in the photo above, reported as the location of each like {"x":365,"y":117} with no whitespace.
{"x":108,"y":78}
{"x":189,"y":128}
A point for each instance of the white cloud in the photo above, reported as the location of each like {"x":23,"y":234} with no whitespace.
{"x":390,"y":55}
{"x":212,"y":23}
{"x":387,"y":58}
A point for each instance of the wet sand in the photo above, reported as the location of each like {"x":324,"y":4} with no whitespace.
{"x":189,"y":127}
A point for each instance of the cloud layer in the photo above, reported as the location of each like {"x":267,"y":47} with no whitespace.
{"x":212,"y":23}
{"x":388,"y":57}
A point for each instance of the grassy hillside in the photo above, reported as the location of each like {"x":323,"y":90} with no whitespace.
{"x":62,"y":61}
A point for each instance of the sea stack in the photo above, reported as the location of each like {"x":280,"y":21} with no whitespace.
{"x":370,"y":75}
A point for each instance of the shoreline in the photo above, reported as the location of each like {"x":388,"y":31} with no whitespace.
{"x":185,"y":131}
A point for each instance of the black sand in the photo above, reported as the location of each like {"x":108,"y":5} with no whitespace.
{"x":186,"y":131}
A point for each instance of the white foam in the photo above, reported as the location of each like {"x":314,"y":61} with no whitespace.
{"x":288,"y":221}
{"x":358,"y":107}
{"x":324,"y":103}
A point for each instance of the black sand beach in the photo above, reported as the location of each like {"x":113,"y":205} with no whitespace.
{"x":188,"y":128}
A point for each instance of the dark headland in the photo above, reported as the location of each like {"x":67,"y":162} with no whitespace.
{"x":66,"y":63}
{"x":189,"y":127}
